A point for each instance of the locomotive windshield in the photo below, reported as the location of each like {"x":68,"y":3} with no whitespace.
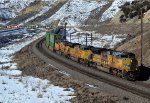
{"x":123,"y":55}
{"x":128,"y":56}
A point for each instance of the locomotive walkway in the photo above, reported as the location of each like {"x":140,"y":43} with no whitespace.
{"x":62,"y":63}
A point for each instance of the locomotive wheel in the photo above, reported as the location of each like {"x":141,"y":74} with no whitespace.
{"x":78,"y":60}
{"x":68,"y":56}
{"x":94,"y":65}
{"x":90,"y":64}
{"x":128,"y":76}
{"x":54,"y":50}
{"x":111,"y":71}
{"x":131,"y":76}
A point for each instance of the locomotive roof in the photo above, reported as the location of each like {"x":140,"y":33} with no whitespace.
{"x":66,"y":42}
{"x":84,"y":47}
{"x":97,"y":50}
{"x":72,"y":44}
{"x":123,"y":54}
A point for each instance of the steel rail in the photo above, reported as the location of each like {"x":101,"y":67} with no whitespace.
{"x":39,"y":46}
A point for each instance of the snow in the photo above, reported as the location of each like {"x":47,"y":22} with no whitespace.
{"x":11,"y":7}
{"x":74,"y":12}
{"x":99,"y":40}
{"x":31,"y":90}
{"x":91,"y":86}
{"x":13,"y":32}
{"x":113,"y":9}
{"x":43,"y":10}
{"x":10,"y":72}
{"x":15,"y":88}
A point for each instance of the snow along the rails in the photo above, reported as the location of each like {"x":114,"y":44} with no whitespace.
{"x":17,"y":89}
{"x":113,"y":9}
{"x":74,"y":12}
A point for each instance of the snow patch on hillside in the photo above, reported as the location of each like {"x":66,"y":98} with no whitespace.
{"x":75,"y":12}
{"x":43,"y":10}
{"x":9,"y":8}
{"x":113,"y":9}
{"x":98,"y":40}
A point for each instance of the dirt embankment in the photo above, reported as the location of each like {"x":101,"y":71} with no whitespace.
{"x":31,"y":65}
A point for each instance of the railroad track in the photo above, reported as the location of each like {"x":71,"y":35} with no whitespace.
{"x":39,"y":49}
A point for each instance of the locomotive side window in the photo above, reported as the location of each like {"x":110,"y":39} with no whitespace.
{"x":124,"y":56}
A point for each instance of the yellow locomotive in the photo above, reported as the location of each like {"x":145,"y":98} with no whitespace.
{"x":118,"y":63}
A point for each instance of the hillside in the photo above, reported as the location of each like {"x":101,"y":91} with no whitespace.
{"x":131,"y":12}
{"x":74,"y":12}
{"x":51,"y":11}
{"x":134,"y":46}
{"x":27,"y":12}
{"x":133,"y":19}
{"x":10,"y":8}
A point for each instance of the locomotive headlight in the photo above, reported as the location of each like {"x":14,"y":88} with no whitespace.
{"x":131,"y":60}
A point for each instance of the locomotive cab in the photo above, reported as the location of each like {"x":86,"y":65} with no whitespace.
{"x":126,"y":63}
{"x":129,"y":62}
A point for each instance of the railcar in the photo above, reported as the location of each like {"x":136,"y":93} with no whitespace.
{"x":52,"y":40}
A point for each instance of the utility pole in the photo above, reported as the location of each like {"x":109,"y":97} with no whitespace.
{"x":86,"y":39}
{"x":70,"y":37}
{"x":91,"y":39}
{"x":141,"y":38}
{"x":65,"y":30}
{"x":78,"y":37}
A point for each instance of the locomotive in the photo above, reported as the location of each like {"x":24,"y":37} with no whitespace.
{"x":122,"y":64}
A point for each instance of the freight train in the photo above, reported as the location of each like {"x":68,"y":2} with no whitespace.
{"x":122,"y":64}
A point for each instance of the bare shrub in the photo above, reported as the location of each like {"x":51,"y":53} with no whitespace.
{"x":3,"y":82}
{"x":33,"y":89}
{"x":40,"y":95}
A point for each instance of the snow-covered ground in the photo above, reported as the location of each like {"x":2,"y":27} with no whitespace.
{"x":17,"y":89}
{"x":14,"y":35}
{"x":99,"y":40}
{"x":113,"y":9}
{"x":13,"y":32}
{"x":74,"y":12}
{"x":9,"y":8}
